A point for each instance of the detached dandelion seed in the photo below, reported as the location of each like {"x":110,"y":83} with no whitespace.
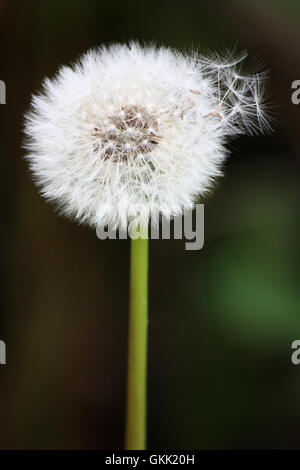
{"x":138,"y":127}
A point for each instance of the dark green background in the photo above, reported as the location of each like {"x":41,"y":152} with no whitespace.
{"x":222,"y":320}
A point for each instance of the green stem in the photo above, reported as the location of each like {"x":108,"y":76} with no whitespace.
{"x":137,"y":349}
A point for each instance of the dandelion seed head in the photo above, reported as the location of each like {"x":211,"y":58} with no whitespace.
{"x":130,"y":126}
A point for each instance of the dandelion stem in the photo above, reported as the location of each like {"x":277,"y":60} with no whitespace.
{"x":137,"y":349}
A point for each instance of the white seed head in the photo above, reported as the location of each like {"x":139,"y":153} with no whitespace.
{"x":130,"y":126}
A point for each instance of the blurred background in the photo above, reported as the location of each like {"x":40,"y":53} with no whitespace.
{"x":222,"y":319}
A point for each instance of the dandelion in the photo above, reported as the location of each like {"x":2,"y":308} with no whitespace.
{"x":131,"y":128}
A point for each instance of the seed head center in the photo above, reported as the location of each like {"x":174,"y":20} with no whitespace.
{"x":130,"y":132}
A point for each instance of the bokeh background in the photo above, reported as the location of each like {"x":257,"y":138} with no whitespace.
{"x":222,"y":319}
